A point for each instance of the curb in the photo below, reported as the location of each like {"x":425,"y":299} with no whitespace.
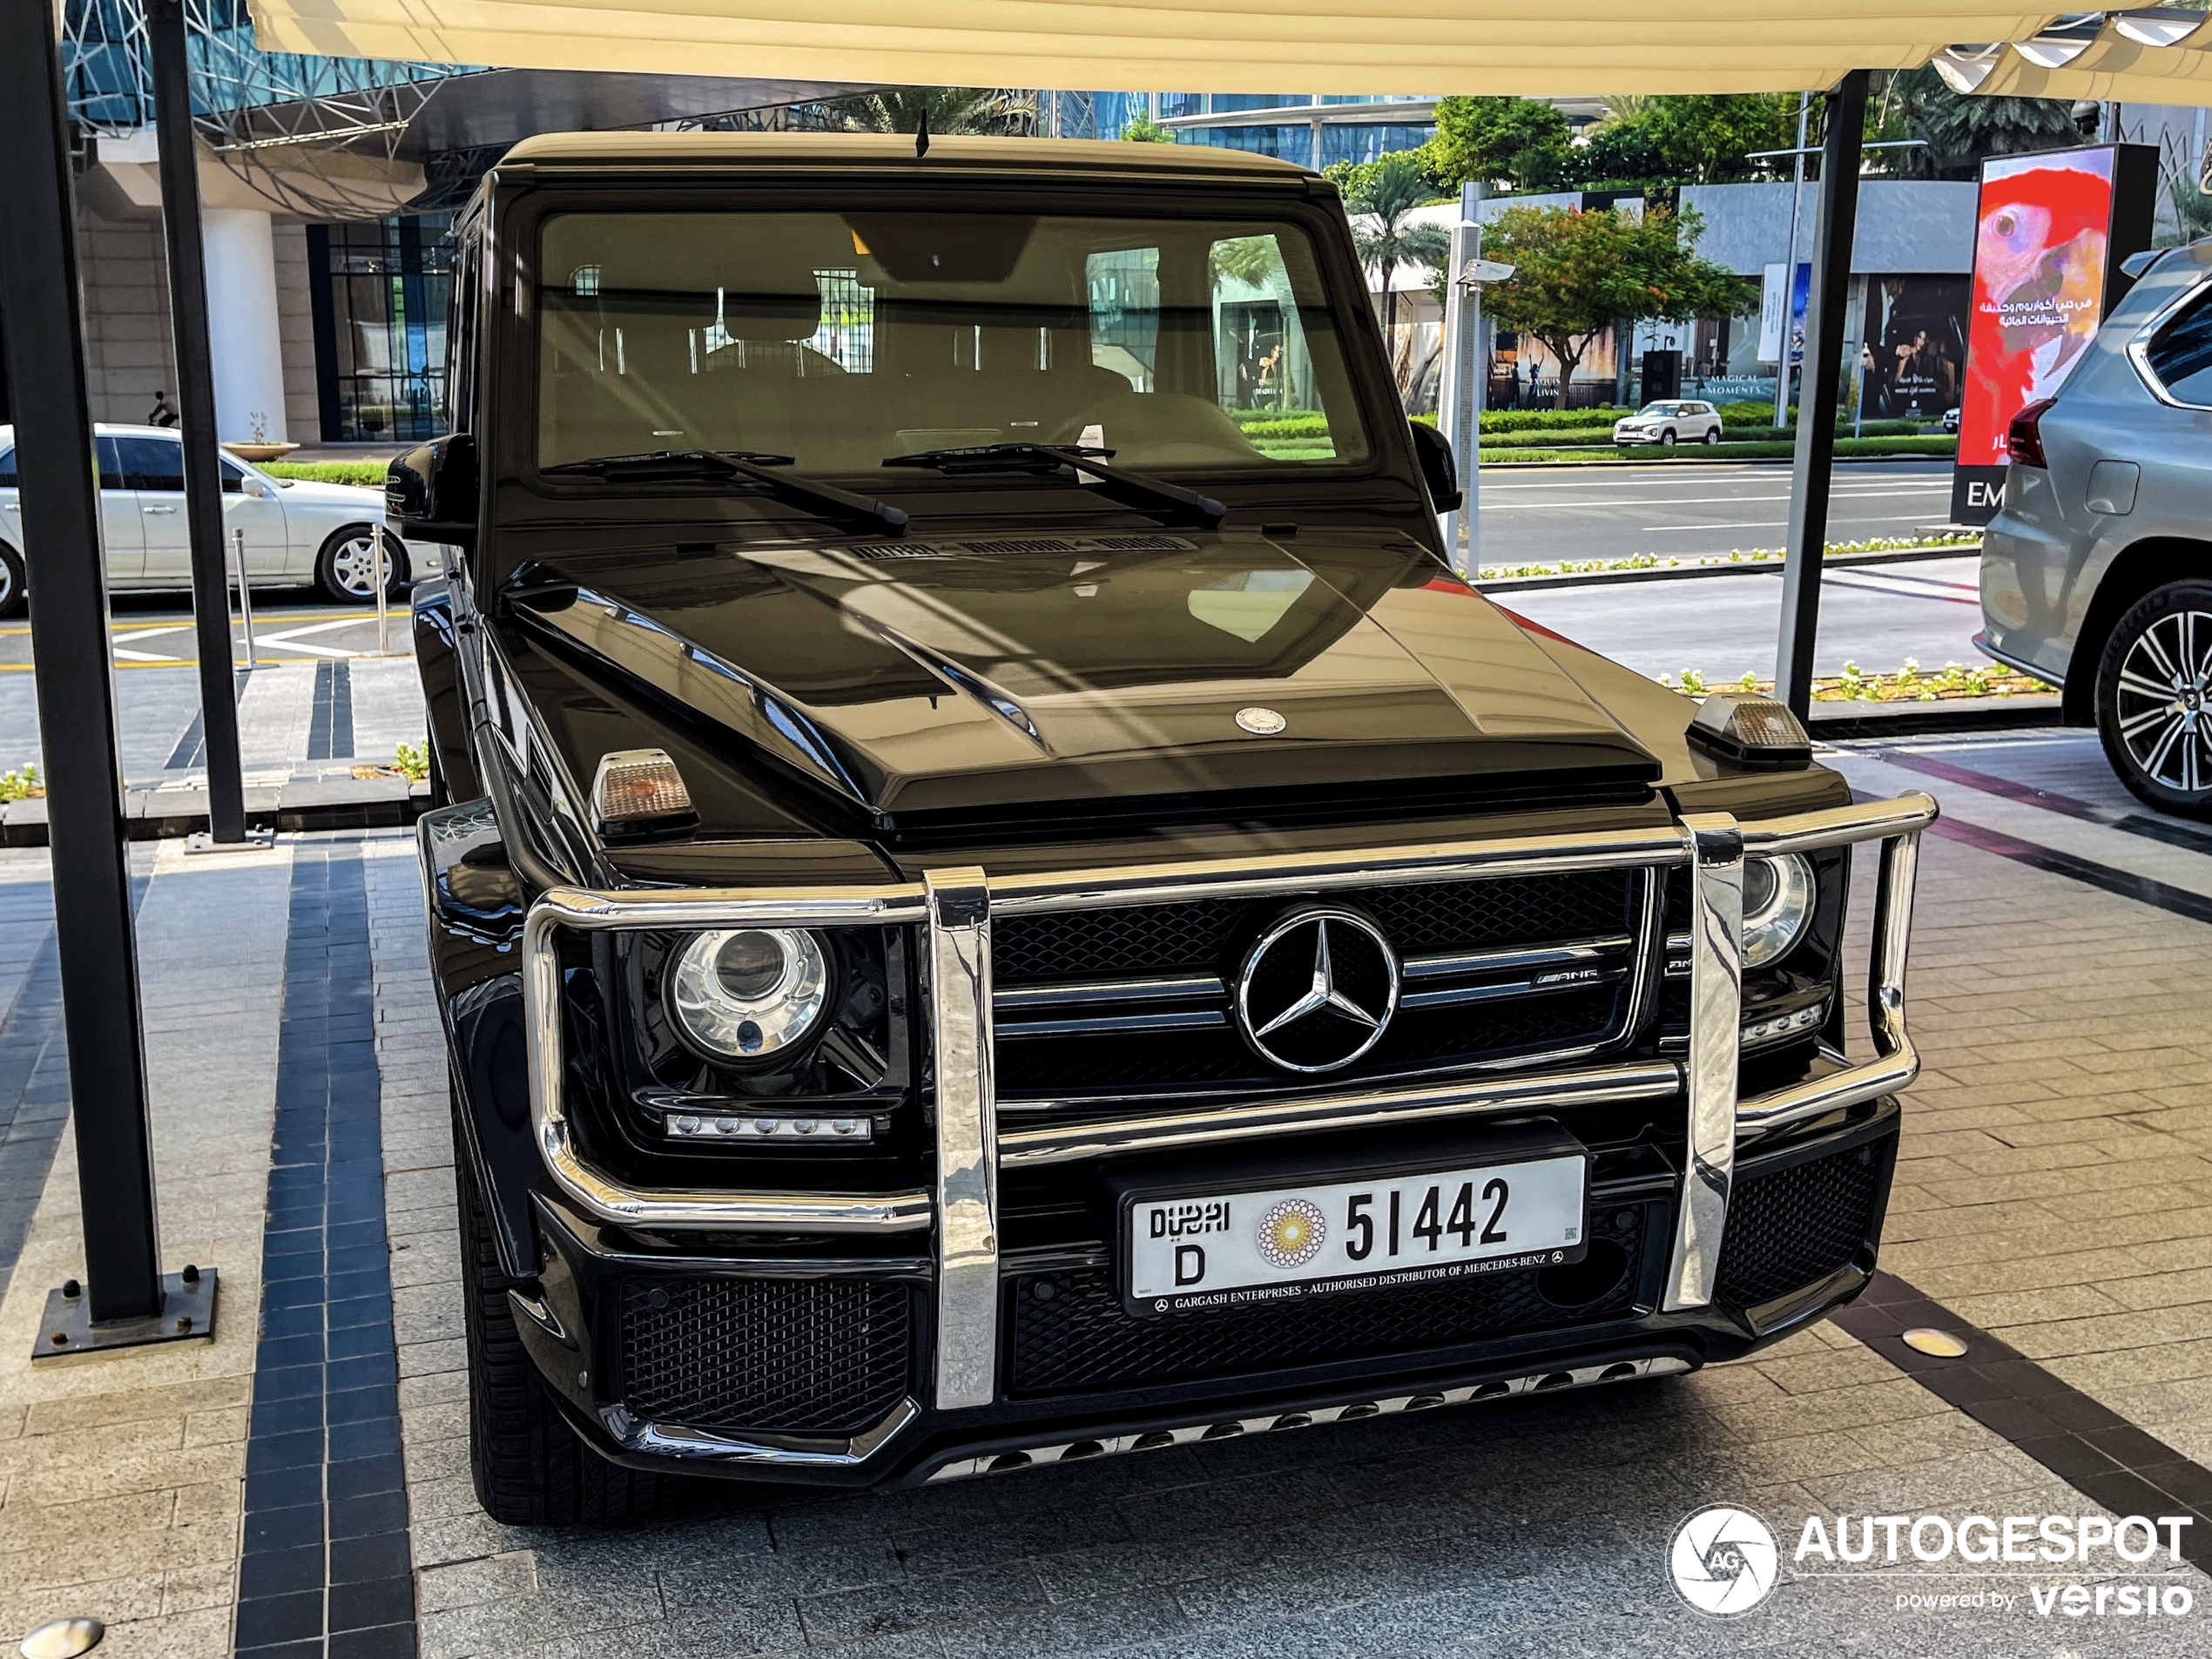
{"x":1918,"y":719}
{"x":1763,"y":567}
{"x":169,"y":814}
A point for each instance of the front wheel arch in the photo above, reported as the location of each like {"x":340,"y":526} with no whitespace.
{"x":14,"y":582}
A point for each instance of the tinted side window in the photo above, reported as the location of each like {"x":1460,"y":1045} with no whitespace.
{"x":152,"y":464}
{"x":233,"y":477}
{"x":112,"y":475}
{"x":7,"y":469}
{"x":2181,"y":354}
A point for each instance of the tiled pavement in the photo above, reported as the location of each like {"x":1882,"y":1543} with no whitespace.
{"x":288,"y":718}
{"x":2055,"y":1189}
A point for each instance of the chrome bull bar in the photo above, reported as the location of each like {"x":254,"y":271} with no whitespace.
{"x":954,"y":907}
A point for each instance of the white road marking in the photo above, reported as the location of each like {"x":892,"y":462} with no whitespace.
{"x":290,"y":640}
{"x":142,"y":656}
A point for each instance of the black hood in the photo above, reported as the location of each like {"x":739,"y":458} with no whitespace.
{"x":991,"y":680}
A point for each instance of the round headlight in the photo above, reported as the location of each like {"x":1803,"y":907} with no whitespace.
{"x":748,"y":991}
{"x":1778,"y":903}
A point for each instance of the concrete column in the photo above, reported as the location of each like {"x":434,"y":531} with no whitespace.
{"x":243,"y":330}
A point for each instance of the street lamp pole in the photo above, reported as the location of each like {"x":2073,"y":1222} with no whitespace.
{"x":1789,"y":270}
{"x":1814,"y":467}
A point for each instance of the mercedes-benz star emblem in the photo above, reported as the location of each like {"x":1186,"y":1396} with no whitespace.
{"x":1317,"y":990}
{"x":1261,"y":723}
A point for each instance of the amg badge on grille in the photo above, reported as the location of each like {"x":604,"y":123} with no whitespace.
{"x":1317,"y":990}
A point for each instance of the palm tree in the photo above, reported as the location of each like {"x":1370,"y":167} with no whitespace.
{"x":1962,"y":129}
{"x":1382,"y":194}
{"x":1000,"y":111}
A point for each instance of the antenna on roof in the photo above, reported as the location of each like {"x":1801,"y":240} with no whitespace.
{"x":922,"y":135}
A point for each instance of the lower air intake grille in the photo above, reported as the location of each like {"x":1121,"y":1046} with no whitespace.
{"x":811,"y":1356}
{"x":1078,"y":1336}
{"x":1801,"y":1224}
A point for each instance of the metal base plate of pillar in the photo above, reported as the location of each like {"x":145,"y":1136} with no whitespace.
{"x":187,"y":1313}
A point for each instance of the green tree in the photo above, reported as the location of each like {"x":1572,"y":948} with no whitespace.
{"x":1382,"y":196}
{"x":1145,"y":130}
{"x":1685,"y":139}
{"x":1961,"y":129}
{"x":998,"y":111}
{"x":1581,"y":273}
{"x":1520,"y":141}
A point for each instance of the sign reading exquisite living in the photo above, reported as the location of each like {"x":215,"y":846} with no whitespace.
{"x":2050,"y":233}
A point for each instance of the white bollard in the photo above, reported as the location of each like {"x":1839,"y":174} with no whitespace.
{"x":244,"y":595}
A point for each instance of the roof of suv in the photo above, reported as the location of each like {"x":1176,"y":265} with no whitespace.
{"x":633,"y":150}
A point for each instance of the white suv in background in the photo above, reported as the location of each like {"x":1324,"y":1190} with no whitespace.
{"x":296,"y":531}
{"x":1675,"y":421}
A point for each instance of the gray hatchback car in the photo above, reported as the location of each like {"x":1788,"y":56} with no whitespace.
{"x":2097,"y":574}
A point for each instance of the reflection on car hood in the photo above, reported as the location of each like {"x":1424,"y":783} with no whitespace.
{"x":310,"y":492}
{"x":921,"y":683}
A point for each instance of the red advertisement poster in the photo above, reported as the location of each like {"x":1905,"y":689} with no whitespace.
{"x":2043,"y":235}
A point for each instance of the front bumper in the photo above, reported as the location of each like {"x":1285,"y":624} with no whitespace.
{"x":964,"y":1392}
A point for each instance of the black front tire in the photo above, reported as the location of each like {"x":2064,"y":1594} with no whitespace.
{"x":12,"y":582}
{"x":531,"y":1469}
{"x":2154,"y":699}
{"x":1667,"y":439}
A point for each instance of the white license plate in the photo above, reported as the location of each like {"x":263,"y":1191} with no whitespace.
{"x":1232,"y":1249}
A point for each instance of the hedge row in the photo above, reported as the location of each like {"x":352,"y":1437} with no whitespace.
{"x":367,"y":474}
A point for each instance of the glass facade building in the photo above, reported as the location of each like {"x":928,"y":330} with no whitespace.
{"x":380,"y":290}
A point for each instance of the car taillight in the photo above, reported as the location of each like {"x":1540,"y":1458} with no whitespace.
{"x":2024,"y":438}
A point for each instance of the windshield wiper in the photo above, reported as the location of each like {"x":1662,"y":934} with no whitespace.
{"x":1170,"y":504}
{"x":825,"y":500}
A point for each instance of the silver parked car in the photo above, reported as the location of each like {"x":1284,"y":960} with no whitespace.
{"x":2097,"y":574}
{"x":1670,"y":422}
{"x":297,"y":531}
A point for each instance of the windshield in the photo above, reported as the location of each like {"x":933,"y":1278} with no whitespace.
{"x":1664,"y":409}
{"x":845,"y":340}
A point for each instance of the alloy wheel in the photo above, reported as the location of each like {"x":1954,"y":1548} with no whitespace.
{"x":2165,"y":681}
{"x":353,"y":565}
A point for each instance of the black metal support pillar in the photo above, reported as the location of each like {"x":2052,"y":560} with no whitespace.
{"x":69,"y":632}
{"x":211,"y":599}
{"x":1830,"y":295}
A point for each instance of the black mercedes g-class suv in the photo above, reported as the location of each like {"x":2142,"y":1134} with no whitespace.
{"x":994,"y":899}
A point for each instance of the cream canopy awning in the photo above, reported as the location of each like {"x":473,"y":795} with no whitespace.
{"x":1531,"y":47}
{"x":2161,"y":55}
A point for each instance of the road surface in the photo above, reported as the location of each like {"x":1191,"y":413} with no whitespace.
{"x":1532,"y":515}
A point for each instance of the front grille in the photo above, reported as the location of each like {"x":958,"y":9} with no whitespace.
{"x":1418,"y":1039}
{"x":791,"y":1356}
{"x":1128,"y":940}
{"x":1189,"y":1041}
{"x":1079,"y":1336}
{"x":1790,"y":1229}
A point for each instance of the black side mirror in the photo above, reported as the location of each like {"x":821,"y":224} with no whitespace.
{"x":430,"y":492}
{"x":1439,"y":471}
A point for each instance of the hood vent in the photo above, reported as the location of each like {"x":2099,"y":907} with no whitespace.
{"x":898,"y":550}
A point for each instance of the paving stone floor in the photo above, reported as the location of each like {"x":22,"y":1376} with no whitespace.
{"x":2053,"y":1189}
